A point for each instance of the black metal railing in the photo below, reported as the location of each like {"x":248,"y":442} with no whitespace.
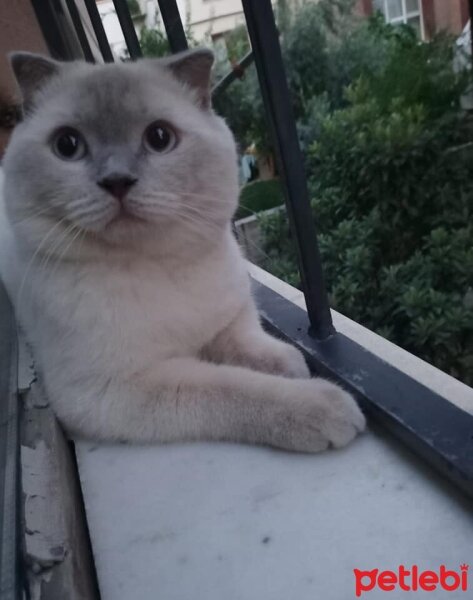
{"x":269,"y":65}
{"x":99,"y":30}
{"x":9,"y":454}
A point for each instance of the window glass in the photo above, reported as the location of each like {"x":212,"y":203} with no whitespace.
{"x":394,"y":9}
{"x":415,"y":23}
{"x":378,"y":5}
{"x":412,"y":6}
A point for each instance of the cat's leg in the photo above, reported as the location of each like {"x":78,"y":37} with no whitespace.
{"x":245,"y":343}
{"x":190,"y":399}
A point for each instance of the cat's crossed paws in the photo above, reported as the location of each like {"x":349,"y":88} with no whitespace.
{"x":281,"y":359}
{"x":319,"y":415}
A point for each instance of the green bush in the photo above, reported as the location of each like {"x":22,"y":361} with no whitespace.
{"x":391,"y":177}
{"x":133,"y":7}
{"x":154,"y":43}
{"x":324,"y":49}
{"x":258,"y":196}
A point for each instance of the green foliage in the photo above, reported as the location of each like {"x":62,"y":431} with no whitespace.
{"x":258,"y":196}
{"x":323,"y":51}
{"x":133,"y":7}
{"x":414,"y":73}
{"x":305,"y":49}
{"x":240,"y":104}
{"x":391,"y":177}
{"x":154,"y":43}
{"x":389,"y":156}
{"x":237,"y":43}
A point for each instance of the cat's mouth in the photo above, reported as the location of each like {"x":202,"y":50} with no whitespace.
{"x":124,"y":217}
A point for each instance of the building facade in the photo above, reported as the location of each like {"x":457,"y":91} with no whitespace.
{"x":211,"y":18}
{"x":427,"y":16}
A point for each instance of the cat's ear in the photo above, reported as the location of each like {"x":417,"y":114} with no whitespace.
{"x":32,"y":72}
{"x":193,"y":68}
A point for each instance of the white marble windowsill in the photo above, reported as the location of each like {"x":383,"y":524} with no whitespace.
{"x":229,"y":522}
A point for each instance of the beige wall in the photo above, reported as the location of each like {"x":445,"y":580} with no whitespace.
{"x":215,"y":16}
{"x":211,"y":16}
{"x":18,"y":31}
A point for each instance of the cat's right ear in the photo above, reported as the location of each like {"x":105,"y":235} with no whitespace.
{"x":193,"y":67}
{"x":32,"y":72}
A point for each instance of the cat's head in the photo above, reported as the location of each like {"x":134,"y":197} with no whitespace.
{"x":128,"y":154}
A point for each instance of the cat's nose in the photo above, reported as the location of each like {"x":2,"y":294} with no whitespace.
{"x":117,"y":185}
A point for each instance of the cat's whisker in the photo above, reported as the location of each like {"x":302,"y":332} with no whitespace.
{"x":205,"y":217}
{"x":35,"y":254}
{"x":89,"y":212}
{"x":198,"y":225}
{"x":31,"y":216}
{"x":190,"y":194}
{"x":204,"y":223}
{"x":56,"y":244}
{"x":66,"y":247}
{"x":79,"y":200}
{"x":81,"y":242}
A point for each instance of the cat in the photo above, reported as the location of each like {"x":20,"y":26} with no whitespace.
{"x":119,"y":188}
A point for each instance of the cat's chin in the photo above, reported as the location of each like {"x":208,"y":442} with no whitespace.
{"x":125,"y":226}
{"x":124,"y":220}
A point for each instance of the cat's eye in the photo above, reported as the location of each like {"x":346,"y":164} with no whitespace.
{"x":69,"y":144}
{"x":159,"y":137}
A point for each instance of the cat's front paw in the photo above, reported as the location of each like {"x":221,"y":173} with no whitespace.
{"x":320,"y":415}
{"x":294,"y":364}
{"x":282,"y":359}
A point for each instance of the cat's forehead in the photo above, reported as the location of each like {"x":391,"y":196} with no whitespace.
{"x":117,"y":96}
{"x":110,"y":88}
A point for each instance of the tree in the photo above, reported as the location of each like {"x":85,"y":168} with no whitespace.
{"x":391,"y":177}
{"x":154,"y":43}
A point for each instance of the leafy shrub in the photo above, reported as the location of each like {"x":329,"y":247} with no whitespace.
{"x":324,"y":49}
{"x":258,"y":196}
{"x":391,"y":177}
{"x":133,"y":7}
{"x":154,"y":43}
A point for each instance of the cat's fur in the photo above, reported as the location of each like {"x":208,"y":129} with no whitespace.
{"x":145,"y":330}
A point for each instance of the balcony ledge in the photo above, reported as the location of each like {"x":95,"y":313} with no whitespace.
{"x":436,"y":380}
{"x":226,"y":521}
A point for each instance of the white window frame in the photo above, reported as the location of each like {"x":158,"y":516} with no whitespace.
{"x":406,"y":15}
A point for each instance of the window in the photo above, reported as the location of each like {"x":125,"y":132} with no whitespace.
{"x":402,"y":11}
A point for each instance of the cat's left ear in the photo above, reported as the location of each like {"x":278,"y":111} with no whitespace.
{"x":32,"y":72}
{"x":193,"y":68}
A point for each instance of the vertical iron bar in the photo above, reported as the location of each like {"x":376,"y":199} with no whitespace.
{"x":173,"y":25}
{"x":53,"y":35}
{"x":9,"y":454}
{"x":470,"y":11}
{"x":100,"y":34}
{"x":128,"y":28}
{"x":275,"y":92}
{"x":80,"y":32}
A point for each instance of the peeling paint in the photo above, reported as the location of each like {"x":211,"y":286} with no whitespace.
{"x":26,"y":371}
{"x":44,"y":531}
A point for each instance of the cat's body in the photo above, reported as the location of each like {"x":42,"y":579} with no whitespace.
{"x":136,"y":299}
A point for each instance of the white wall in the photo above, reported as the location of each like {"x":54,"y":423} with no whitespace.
{"x":211,"y":17}
{"x":112,"y":25}
{"x":205,"y":18}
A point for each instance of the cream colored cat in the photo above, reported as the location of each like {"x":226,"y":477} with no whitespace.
{"x":120,"y":184}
